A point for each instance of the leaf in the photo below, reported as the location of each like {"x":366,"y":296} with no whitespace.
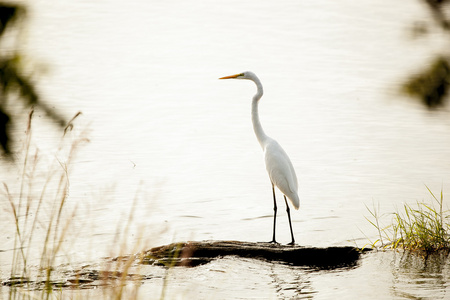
{"x":4,"y":137}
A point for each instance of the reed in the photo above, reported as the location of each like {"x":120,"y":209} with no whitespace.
{"x":423,"y":227}
{"x":37,"y":206}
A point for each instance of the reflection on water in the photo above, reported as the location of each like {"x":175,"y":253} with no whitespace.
{"x":415,"y":276}
{"x":388,"y":275}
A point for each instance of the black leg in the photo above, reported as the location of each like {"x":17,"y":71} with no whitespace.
{"x":274,"y":214}
{"x":290,"y":224}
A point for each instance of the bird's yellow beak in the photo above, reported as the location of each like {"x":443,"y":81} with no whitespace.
{"x":231,"y":76}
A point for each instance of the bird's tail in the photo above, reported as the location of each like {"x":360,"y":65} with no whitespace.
{"x":295,"y":201}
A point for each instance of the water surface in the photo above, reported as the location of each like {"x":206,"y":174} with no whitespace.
{"x":161,"y":125}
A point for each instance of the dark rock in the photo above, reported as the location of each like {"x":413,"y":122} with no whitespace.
{"x":197,"y":253}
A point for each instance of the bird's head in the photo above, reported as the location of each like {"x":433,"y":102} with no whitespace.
{"x":244,"y":75}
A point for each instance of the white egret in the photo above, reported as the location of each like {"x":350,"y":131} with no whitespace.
{"x":278,"y":165}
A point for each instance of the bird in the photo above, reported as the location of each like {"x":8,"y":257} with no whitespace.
{"x":278,"y":165}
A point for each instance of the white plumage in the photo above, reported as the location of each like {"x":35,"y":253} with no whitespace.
{"x":278,"y":165}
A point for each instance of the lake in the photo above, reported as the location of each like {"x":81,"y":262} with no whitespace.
{"x":174,"y":143}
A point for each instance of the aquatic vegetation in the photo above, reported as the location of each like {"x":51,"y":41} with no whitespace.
{"x":422,"y":227}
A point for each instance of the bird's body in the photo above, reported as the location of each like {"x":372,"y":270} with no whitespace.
{"x":277,"y":162}
{"x":278,"y":165}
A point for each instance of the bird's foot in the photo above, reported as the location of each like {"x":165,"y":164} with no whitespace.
{"x":292,"y":243}
{"x":274,"y":242}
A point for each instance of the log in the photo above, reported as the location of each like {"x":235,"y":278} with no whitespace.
{"x":191,"y":254}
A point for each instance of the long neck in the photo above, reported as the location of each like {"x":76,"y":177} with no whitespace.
{"x":260,"y":135}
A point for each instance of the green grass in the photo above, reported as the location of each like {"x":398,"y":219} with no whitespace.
{"x":421,"y":227}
